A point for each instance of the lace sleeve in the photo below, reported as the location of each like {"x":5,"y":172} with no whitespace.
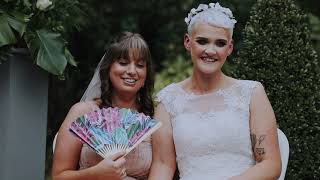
{"x":168,"y":96}
{"x":251,"y":86}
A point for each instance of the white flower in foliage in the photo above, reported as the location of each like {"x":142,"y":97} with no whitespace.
{"x":43,"y":4}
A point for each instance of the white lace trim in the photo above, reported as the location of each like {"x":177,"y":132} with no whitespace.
{"x":174,"y":98}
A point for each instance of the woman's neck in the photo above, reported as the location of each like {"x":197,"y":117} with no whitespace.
{"x":202,"y":84}
{"x":124,"y":101}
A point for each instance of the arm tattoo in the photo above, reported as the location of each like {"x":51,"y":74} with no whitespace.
{"x":253,"y":140}
{"x":261,"y":138}
{"x":257,"y":147}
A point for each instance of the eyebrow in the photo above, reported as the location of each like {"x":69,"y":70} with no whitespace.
{"x":135,"y":60}
{"x":222,"y":40}
{"x":204,"y":38}
{"x":201,"y":38}
{"x":140,"y":60}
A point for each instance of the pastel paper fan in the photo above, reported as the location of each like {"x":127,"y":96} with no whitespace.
{"x":111,"y":130}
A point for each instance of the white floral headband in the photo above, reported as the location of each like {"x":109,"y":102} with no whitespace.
{"x":229,"y":21}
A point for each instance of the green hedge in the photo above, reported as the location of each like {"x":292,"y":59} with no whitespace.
{"x":277,"y":51}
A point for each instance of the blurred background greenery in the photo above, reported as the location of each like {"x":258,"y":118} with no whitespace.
{"x":161,"y":23}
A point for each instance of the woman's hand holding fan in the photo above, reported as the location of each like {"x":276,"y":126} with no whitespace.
{"x":112,"y":130}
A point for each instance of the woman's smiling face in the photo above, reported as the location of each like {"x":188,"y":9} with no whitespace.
{"x":128,"y":75}
{"x":209,"y":47}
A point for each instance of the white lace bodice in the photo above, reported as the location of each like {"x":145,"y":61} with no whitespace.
{"x":211,"y":132}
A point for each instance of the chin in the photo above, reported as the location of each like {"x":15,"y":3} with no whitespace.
{"x":208,"y":70}
{"x":129,"y":89}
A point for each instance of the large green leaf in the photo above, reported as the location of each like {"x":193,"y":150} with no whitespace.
{"x":49,"y":50}
{"x":6,"y":34}
{"x":70,"y":58}
{"x":18,"y":21}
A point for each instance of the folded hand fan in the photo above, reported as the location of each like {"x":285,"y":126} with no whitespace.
{"x":111,"y":130}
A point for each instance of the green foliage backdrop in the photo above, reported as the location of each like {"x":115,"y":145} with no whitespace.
{"x":277,"y":51}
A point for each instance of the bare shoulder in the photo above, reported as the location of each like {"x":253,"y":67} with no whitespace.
{"x":258,"y":87}
{"x":160,"y":110}
{"x":262,"y":116}
{"x":259,"y":94}
{"x":82,"y":108}
{"x":162,"y":114}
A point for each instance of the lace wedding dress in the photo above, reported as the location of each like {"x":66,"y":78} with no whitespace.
{"x":211,"y":132}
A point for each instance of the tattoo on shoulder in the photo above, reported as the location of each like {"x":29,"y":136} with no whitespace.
{"x":257,"y":146}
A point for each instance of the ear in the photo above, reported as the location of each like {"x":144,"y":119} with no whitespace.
{"x":230,"y":47}
{"x":187,"y":41}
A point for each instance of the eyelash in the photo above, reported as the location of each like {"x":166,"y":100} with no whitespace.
{"x":202,"y":42}
{"x":218,"y":43}
{"x":124,"y":63}
{"x":221,"y":44}
{"x":140,"y":65}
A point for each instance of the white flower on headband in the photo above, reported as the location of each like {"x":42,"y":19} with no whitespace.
{"x":202,"y":7}
{"x":213,"y":7}
{"x":193,"y":11}
{"x":226,"y":11}
{"x":188,"y":19}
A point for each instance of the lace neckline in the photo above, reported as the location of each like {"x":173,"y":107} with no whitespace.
{"x":218,"y":91}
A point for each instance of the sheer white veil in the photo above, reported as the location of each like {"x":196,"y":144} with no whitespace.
{"x":94,"y":88}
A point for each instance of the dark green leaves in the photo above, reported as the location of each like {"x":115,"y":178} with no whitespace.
{"x":10,"y":22}
{"x":6,"y":34}
{"x":50,"y":51}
